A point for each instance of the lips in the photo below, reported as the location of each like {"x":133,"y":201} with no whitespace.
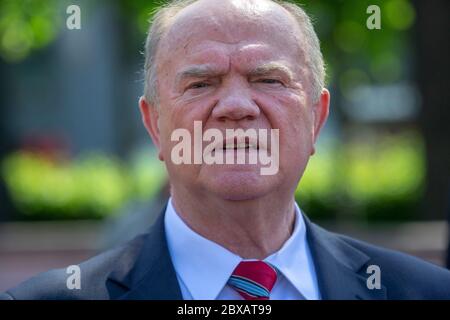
{"x":239,"y":146}
{"x":239,"y":143}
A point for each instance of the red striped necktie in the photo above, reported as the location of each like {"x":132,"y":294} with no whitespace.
{"x":253,"y":280}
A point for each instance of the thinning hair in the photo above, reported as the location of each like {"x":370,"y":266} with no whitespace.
{"x":163,"y":18}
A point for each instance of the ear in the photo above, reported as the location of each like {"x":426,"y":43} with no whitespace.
{"x":320,"y":110}
{"x":150,"y":118}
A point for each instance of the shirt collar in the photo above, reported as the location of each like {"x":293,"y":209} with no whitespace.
{"x":295,"y":262}
{"x":194,"y":255}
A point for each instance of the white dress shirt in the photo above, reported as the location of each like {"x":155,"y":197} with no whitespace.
{"x":203,"y":267}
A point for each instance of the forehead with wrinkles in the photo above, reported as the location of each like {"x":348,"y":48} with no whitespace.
{"x":230,"y":22}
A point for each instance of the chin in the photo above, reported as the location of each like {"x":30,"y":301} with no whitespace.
{"x":239,"y":185}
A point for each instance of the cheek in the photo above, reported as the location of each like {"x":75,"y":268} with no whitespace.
{"x":291,"y":115}
{"x":166,"y":128}
{"x":183,"y":111}
{"x":177,"y":116}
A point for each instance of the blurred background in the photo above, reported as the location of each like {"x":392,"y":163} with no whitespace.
{"x":78,"y":173}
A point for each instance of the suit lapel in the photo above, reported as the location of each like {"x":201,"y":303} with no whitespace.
{"x":152,"y":276}
{"x":340,"y":268}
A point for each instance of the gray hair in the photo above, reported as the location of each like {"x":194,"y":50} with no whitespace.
{"x":163,"y":18}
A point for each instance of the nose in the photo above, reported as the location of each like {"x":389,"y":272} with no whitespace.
{"x":236,"y":103}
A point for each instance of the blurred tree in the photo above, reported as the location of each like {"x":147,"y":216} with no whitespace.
{"x":27,"y":25}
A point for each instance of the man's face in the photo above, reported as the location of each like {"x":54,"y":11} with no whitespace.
{"x":230,"y":65}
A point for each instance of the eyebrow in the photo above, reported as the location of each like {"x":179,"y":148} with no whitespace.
{"x":197,"y":71}
{"x":272,"y":67}
{"x":207,"y":70}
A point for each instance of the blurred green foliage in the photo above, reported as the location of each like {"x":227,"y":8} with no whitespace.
{"x":377,"y":181}
{"x":27,"y":25}
{"x":353,"y":54}
{"x":93,"y":186}
{"x":365,"y":181}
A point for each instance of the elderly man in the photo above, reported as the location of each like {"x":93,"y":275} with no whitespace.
{"x":229,"y":231}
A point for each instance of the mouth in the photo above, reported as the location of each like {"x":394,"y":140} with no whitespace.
{"x":245,"y":145}
{"x":238,"y":144}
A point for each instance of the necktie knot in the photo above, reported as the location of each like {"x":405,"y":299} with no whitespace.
{"x":253,"y":280}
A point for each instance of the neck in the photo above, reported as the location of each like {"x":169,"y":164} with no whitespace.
{"x":251,"y":229}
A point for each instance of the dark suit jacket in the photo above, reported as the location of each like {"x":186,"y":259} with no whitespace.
{"x":142,"y":269}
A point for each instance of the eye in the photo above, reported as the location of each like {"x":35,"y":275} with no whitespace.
{"x":199,"y":85}
{"x":270,"y":81}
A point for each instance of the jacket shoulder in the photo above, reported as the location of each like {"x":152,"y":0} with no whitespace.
{"x":405,"y":276}
{"x":93,"y":276}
